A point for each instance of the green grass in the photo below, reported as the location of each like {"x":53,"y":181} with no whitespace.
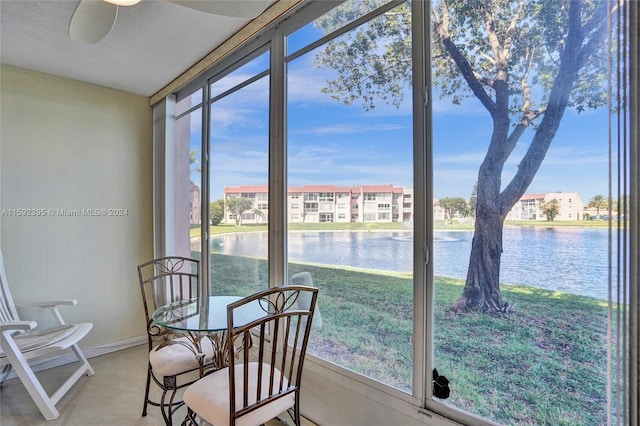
{"x":390,"y":226}
{"x":544,"y":363}
{"x":332,"y":226}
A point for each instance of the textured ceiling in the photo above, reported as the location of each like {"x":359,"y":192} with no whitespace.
{"x":151,"y":43}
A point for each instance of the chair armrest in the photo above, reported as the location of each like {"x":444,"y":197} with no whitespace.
{"x":48,"y":304}
{"x":18,"y":325}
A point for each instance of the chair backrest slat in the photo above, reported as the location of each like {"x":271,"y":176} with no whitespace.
{"x":8,"y":311}
{"x":164,"y":280}
{"x":275,"y":342}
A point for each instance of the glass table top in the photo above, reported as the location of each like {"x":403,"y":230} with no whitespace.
{"x":205,"y":314}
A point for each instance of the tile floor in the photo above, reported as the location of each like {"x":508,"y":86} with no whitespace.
{"x":113,"y":396}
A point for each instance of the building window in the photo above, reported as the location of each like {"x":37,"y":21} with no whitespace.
{"x":326,"y":217}
{"x":326,"y":197}
{"x":310,"y":207}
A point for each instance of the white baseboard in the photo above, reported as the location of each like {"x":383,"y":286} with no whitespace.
{"x":51,"y":362}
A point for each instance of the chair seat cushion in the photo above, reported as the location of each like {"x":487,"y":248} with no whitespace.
{"x":209,"y":396}
{"x":178,"y":356}
{"x":36,"y":339}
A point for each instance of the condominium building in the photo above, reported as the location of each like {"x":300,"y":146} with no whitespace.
{"x":375,"y":203}
{"x":194,"y":203}
{"x":327,"y":203}
{"x":528,"y":207}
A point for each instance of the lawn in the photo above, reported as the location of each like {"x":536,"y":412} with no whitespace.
{"x":544,"y":363}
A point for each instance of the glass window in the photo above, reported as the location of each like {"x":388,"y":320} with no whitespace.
{"x":238,"y":183}
{"x":255,"y":68}
{"x":520,"y":311}
{"x":313,"y":31}
{"x":189,"y":102}
{"x":188,"y":177}
{"x":365,"y":279}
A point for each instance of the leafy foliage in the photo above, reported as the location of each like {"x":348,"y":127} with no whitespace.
{"x":216,"y":212}
{"x":473,"y":199}
{"x":373,"y":61}
{"x":452,"y":205}
{"x":237,"y":206}
{"x":550,"y":209}
{"x":598,"y":202}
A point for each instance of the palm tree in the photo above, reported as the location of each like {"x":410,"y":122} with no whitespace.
{"x":194,"y":162}
{"x":550,"y":209}
{"x":598,"y":201}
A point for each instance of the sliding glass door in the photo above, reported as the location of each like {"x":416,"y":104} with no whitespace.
{"x":521,"y":209}
{"x":187,"y":176}
{"x":350,"y":181}
{"x":238,"y":177}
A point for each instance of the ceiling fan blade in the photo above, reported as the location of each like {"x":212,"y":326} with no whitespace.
{"x":92,"y":21}
{"x":231,"y":8}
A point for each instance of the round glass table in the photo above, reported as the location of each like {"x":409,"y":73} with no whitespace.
{"x":205,"y":317}
{"x":203,"y":314}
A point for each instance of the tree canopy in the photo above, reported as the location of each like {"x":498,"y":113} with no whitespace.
{"x":216,"y":212}
{"x":237,"y":206}
{"x":550,"y":209}
{"x":453,"y":205}
{"x":598,"y":202}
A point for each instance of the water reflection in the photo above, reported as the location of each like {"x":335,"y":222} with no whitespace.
{"x":564,"y":259}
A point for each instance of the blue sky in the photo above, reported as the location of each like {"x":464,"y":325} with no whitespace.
{"x":577,"y":160}
{"x":330,"y":143}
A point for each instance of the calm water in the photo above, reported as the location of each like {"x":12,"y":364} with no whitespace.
{"x":569,"y":260}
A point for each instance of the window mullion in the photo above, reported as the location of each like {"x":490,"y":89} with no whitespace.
{"x":277,"y":164}
{"x":205,"y":197}
{"x":422,"y":216}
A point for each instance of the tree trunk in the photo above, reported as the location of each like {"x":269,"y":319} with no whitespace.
{"x":482,"y":288}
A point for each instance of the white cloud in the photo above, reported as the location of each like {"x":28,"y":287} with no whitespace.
{"x":348,"y":129}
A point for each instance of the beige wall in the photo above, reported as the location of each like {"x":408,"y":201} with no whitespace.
{"x":73,"y":146}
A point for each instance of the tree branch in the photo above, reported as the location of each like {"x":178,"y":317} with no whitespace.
{"x":511,"y":28}
{"x":527,"y":104}
{"x":556,"y":106}
{"x":442,"y":29}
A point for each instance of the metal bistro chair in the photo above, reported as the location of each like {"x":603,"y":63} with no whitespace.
{"x":21,"y":341}
{"x":173,"y":360}
{"x":263,"y":382}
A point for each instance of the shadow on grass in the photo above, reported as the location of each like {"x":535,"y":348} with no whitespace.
{"x":544,"y":363}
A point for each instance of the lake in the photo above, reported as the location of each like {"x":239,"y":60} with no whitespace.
{"x":572,"y":260}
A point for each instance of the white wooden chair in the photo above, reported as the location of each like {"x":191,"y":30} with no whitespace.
{"x":21,"y":341}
